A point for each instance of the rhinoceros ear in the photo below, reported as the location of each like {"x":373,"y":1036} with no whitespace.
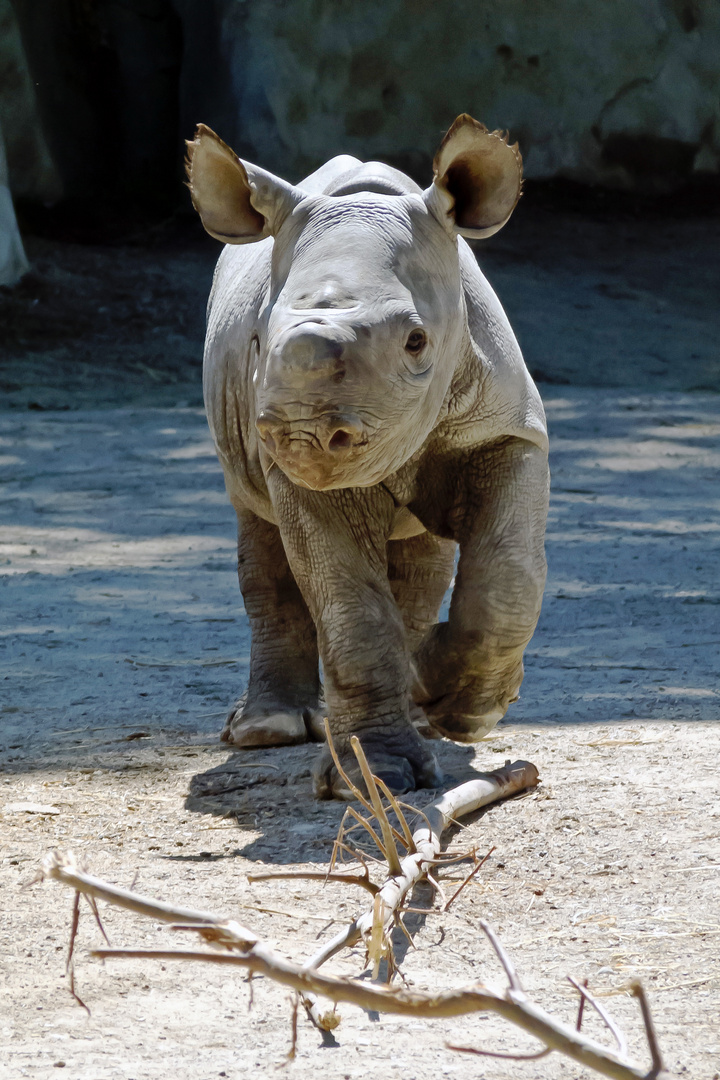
{"x":477,"y":179}
{"x":237,"y":202}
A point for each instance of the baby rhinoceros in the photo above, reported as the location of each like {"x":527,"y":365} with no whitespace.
{"x":372,"y":412}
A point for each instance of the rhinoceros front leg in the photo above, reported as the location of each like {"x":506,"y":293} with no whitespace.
{"x":281,"y":705}
{"x":470,"y":668}
{"x":420,"y":570}
{"x":336,"y":546}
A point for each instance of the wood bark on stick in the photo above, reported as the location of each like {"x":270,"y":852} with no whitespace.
{"x":239,"y":946}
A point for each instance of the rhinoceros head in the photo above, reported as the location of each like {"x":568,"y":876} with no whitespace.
{"x":364,"y":322}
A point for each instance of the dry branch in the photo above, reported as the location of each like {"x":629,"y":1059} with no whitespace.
{"x":238,"y":946}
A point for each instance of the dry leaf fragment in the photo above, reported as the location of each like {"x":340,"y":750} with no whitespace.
{"x":30,"y":808}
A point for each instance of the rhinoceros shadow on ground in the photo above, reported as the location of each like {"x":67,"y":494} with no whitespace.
{"x":269,"y":794}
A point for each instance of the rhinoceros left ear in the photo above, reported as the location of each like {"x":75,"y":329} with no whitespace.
{"x":237,"y":202}
{"x":477,"y":179}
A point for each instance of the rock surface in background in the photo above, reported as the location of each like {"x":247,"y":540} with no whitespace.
{"x":614,"y":93}
{"x":617,"y":94}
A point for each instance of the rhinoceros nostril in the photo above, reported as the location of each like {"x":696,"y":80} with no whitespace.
{"x":341,"y":440}
{"x":341,"y":432}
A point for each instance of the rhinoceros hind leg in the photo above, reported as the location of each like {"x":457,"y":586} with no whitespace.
{"x":255,"y":727}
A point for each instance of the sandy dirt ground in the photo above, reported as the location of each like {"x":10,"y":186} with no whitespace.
{"x":122,"y":641}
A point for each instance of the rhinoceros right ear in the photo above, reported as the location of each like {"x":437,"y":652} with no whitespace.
{"x":477,"y":179}
{"x":237,"y":202}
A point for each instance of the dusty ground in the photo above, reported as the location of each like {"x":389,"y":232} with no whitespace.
{"x":122,"y":640}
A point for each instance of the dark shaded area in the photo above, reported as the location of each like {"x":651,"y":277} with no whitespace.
{"x":697,"y":197}
{"x":598,"y":292}
{"x":121,"y":83}
{"x":100,"y":326}
{"x":107,"y":80}
{"x":112,"y":311}
{"x":129,"y":643}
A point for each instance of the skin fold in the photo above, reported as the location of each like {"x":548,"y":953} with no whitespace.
{"x":374,"y":418}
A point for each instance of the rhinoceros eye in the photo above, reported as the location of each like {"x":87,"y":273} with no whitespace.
{"x":416,"y":342}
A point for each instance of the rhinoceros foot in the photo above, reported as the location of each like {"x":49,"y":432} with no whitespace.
{"x":252,"y":727}
{"x":402,"y":761}
{"x":466,"y":718}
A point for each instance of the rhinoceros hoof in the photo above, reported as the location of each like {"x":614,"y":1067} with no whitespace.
{"x":464,"y":727}
{"x":401,"y":770}
{"x":250,"y":728}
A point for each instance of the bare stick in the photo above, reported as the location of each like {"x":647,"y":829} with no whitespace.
{"x":73,"y":932}
{"x":581,"y":1010}
{"x":657,"y":1060}
{"x":316,"y":875}
{"x":478,"y":865}
{"x":69,"y":965}
{"x":607,"y":1020}
{"x":399,"y":922}
{"x":93,"y":905}
{"x":427,"y":838}
{"x":523,"y":1013}
{"x":63,"y":867}
{"x":509,"y":967}
{"x":242,"y":948}
{"x":344,"y":940}
{"x":465,"y":799}
{"x":500,"y":1054}
{"x":293,"y":1027}
{"x":426,"y":847}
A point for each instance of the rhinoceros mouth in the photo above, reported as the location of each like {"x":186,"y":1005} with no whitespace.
{"x":315,"y":469}
{"x":317,"y":453}
{"x":310,"y":467}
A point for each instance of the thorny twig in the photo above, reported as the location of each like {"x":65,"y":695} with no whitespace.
{"x":607,"y":1020}
{"x":639,"y":993}
{"x":318,"y":875}
{"x":239,"y":946}
{"x":508,"y":966}
{"x":478,"y":865}
{"x":500,"y":1053}
{"x":523,"y":1013}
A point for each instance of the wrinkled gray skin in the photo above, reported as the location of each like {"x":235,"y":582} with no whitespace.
{"x":356,"y":466}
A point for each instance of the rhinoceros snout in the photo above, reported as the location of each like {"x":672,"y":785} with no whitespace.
{"x":315,"y":453}
{"x":334,"y":434}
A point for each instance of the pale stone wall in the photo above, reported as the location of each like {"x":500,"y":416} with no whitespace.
{"x":622,"y":93}
{"x":618,"y":92}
